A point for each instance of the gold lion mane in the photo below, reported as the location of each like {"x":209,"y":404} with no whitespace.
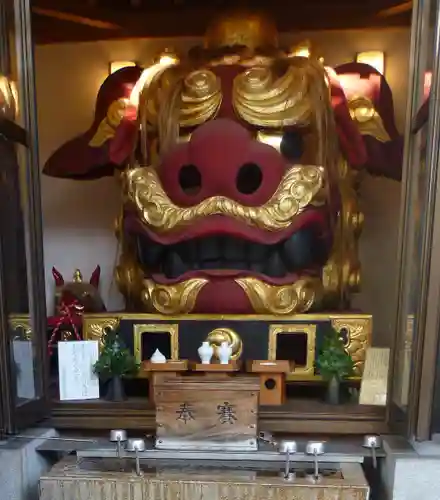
{"x":270,"y":93}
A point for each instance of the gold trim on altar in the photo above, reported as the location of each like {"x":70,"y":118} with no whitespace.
{"x":166,"y":329}
{"x":299,"y":329}
{"x":356,"y":330}
{"x":21,"y":327}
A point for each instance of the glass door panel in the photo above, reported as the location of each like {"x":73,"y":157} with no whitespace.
{"x":414,"y":315}
{"x":21,"y":271}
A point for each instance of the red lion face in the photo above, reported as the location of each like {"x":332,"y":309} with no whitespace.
{"x":236,"y":202}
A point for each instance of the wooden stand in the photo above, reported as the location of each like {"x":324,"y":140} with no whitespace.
{"x":170,"y":366}
{"x":272,"y":380}
{"x":232,"y":366}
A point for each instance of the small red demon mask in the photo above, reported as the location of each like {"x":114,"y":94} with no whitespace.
{"x":81,"y":296}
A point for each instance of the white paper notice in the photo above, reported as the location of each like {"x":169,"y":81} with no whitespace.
{"x":24,"y":363}
{"x":75,"y":366}
{"x":374,"y":384}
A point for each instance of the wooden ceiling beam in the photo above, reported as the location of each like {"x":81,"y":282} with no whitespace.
{"x":193,"y":21}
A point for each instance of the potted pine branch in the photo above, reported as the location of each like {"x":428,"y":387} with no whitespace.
{"x":334,"y":364}
{"x":114,"y":364}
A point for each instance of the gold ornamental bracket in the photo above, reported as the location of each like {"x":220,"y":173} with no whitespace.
{"x":95,"y":326}
{"x":356,"y":332}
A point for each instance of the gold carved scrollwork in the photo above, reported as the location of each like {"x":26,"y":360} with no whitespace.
{"x":168,"y":102}
{"x":128,"y":275}
{"x":21,"y":327}
{"x":172,"y":299}
{"x":219,"y":335}
{"x":358,"y":332}
{"x":341,"y":274}
{"x":107,"y":127}
{"x":94,"y":327}
{"x":283,"y":299}
{"x":262,"y":99}
{"x":200,"y":99}
{"x":300,"y":186}
{"x":367,"y":118}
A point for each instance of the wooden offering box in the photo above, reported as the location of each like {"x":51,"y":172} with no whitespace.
{"x":206,"y":412}
{"x":150,"y":370}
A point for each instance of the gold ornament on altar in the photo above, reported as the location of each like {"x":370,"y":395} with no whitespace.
{"x":219,"y":335}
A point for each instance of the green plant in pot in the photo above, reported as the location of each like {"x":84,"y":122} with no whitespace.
{"x":115,"y":363}
{"x":334,"y":364}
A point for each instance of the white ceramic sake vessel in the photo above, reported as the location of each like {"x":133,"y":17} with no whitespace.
{"x":158,"y":357}
{"x":224,"y":353}
{"x":206,"y":352}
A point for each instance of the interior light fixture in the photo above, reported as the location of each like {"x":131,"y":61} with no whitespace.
{"x":117,"y":65}
{"x":427,"y":85}
{"x":373,"y":58}
{"x":302,"y":49}
{"x":302,"y":52}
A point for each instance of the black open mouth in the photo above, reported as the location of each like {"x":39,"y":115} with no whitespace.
{"x":302,"y":251}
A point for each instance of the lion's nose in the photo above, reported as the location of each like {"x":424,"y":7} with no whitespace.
{"x":223,"y":159}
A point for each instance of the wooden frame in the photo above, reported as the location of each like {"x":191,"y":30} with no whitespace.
{"x":23,"y":413}
{"x":415,"y":421}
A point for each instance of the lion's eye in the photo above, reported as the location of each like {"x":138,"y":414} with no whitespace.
{"x":289,"y":143}
{"x":292,"y":146}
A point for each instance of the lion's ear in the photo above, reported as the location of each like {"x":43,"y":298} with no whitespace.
{"x":93,"y":154}
{"x":95,"y":277}
{"x":122,"y":144}
{"x":370,"y":102}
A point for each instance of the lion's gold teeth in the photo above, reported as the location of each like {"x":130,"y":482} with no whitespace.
{"x":179,"y":298}
{"x":292,"y":298}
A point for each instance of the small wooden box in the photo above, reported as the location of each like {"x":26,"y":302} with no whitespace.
{"x":206,"y":412}
{"x":272,"y":380}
